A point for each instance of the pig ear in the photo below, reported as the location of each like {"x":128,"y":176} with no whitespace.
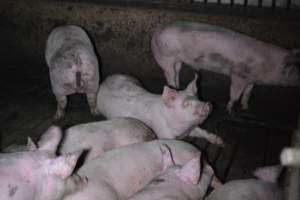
{"x":31,"y":146}
{"x":169,"y":96}
{"x":50,"y":139}
{"x":190,"y":172}
{"x":167,"y":159}
{"x":63,"y":166}
{"x":269,"y":174}
{"x":192,"y":87}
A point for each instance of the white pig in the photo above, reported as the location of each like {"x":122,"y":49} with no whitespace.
{"x":73,"y":66}
{"x":98,"y":137}
{"x":175,"y":182}
{"x":265,"y":188}
{"x":119,"y":173}
{"x":174,"y":114}
{"x":38,"y":174}
{"x":246,"y":60}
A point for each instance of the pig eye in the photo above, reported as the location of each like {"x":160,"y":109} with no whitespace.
{"x":186,"y":104}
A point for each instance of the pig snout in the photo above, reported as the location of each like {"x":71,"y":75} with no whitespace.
{"x":202,"y":110}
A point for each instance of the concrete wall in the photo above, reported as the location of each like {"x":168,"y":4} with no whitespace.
{"x":121,"y":34}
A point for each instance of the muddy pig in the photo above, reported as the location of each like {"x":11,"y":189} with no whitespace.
{"x":120,"y":173}
{"x":246,"y":60}
{"x":265,"y":187}
{"x":38,"y":173}
{"x":73,"y":66}
{"x":98,"y":137}
{"x":175,"y":182}
{"x":174,"y":114}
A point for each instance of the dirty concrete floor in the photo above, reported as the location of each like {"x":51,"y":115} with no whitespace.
{"x":253,"y":138}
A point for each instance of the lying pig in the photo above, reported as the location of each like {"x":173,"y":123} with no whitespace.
{"x":174,"y":114}
{"x":120,"y":173}
{"x":259,"y":189}
{"x":246,"y":60}
{"x":38,"y":173}
{"x":175,"y":182}
{"x":98,"y":137}
{"x":73,"y":66}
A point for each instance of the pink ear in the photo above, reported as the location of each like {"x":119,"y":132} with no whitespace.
{"x":190,"y":172}
{"x":167,"y":159}
{"x":169,"y":96}
{"x":192,"y":87}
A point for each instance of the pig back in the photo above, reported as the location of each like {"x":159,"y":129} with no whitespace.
{"x":63,"y":37}
{"x":123,"y":96}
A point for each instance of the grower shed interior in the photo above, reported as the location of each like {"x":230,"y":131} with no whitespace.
{"x":121,"y":32}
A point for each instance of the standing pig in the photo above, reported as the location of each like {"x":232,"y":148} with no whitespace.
{"x":73,"y":66}
{"x":246,"y":60}
{"x":265,"y":188}
{"x":98,"y":137}
{"x":119,"y":173}
{"x":37,"y":174}
{"x":175,"y":182}
{"x":174,"y":114}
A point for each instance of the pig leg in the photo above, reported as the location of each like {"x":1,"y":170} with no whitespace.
{"x":237,"y":86}
{"x":61,"y":105}
{"x":92,"y":100}
{"x":246,"y":96}
{"x":201,"y":133}
{"x":177,"y":69}
{"x":169,"y":66}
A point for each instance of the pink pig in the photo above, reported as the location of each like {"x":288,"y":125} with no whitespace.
{"x":264,"y":188}
{"x":120,"y":173}
{"x":246,"y":60}
{"x":73,"y":66}
{"x":102,"y":136}
{"x":38,"y":174}
{"x":174,"y":114}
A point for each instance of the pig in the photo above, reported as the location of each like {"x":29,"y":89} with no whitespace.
{"x":102,"y":136}
{"x":245,"y":60}
{"x":290,"y":156}
{"x":120,"y":173}
{"x":97,"y":137}
{"x":73,"y":66}
{"x":174,"y":114}
{"x":38,"y":173}
{"x":259,"y":189}
{"x":175,"y":182}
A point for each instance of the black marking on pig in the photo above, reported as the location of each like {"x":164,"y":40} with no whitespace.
{"x":157,"y":181}
{"x":78,"y":79}
{"x":12,"y":190}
